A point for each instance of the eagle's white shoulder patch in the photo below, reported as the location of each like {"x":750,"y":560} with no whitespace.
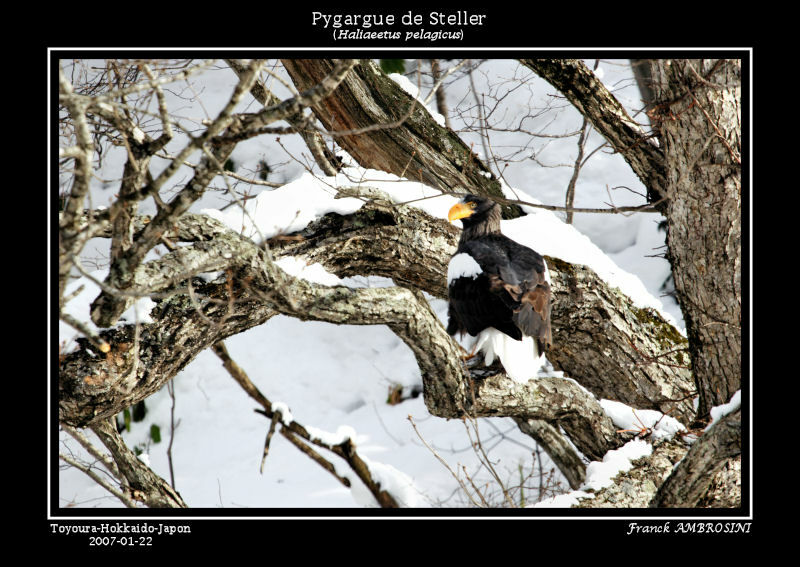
{"x":462,"y":266}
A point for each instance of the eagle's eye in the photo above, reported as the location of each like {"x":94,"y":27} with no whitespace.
{"x":472,"y":204}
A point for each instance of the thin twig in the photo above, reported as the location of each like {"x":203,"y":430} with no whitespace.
{"x":124,"y":498}
{"x":107,"y":461}
{"x":477,"y":446}
{"x":171,"y":391}
{"x":441,"y":460}
{"x":93,"y":337}
{"x":272,"y":424}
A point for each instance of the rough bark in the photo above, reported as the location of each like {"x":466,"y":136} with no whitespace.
{"x":395,"y":133}
{"x":140,"y":482}
{"x":636,"y":487}
{"x":382,"y":239}
{"x":725,"y":489}
{"x":697,"y":114}
{"x":615,"y":349}
{"x":691,"y":479}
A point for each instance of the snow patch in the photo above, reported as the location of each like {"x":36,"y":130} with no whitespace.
{"x":404,"y":83}
{"x":600,"y":474}
{"x":343,"y":433}
{"x":293,"y":206}
{"x":718,"y":412}
{"x":286,"y":209}
{"x":395,"y":482}
{"x":315,"y":273}
{"x":562,"y":500}
{"x":546,"y":233}
{"x":286,"y":415}
{"x":625,"y":417}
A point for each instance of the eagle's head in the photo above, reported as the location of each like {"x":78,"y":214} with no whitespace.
{"x":474,"y":211}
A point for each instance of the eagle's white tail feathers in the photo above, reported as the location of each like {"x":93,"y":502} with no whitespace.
{"x":520,"y":359}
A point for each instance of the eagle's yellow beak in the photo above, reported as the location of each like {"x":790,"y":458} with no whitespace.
{"x":459,"y":211}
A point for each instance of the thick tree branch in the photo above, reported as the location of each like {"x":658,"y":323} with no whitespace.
{"x":615,"y":349}
{"x":396,"y":133}
{"x":639,"y":358}
{"x":389,"y":242}
{"x":550,"y":399}
{"x":143,"y":483}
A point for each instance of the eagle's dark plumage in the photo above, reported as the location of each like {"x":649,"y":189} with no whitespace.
{"x":498,"y":291}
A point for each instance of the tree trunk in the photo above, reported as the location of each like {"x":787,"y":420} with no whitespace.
{"x":698,"y":116}
{"x":695,"y":173}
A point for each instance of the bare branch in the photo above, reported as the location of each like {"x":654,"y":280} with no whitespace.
{"x":313,"y":139}
{"x":144,"y":484}
{"x":368,"y":101}
{"x":585,"y":91}
{"x":291,"y":429}
{"x":93,"y":451}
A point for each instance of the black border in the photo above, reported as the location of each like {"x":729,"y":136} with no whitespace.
{"x":596,"y":521}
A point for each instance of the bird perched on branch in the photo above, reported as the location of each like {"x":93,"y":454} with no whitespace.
{"x":498,"y":291}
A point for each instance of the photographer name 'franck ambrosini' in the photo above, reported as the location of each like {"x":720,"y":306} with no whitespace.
{"x":359,"y":25}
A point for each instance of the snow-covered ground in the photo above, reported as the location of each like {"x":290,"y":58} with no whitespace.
{"x":337,"y":379}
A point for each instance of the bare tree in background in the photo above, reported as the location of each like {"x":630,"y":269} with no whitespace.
{"x":602,"y":340}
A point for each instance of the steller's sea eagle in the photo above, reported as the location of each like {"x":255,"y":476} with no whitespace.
{"x":498,"y":291}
